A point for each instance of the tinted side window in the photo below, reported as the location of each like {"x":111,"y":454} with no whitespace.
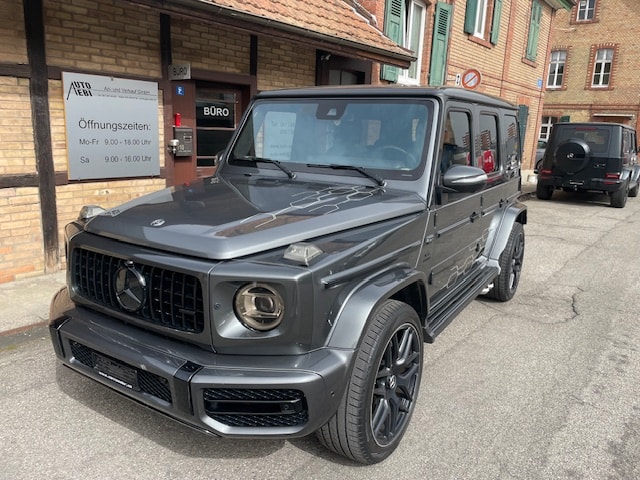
{"x":629,"y":148}
{"x":456,"y":149}
{"x":511,"y":134}
{"x":487,"y":146}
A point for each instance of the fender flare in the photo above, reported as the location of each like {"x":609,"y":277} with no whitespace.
{"x":501,"y":229}
{"x":635,"y":173}
{"x":356,"y":310}
{"x":627,"y":175}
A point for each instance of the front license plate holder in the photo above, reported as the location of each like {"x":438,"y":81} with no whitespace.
{"x":116,"y":371}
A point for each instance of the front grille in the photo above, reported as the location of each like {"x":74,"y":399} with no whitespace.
{"x":238,"y":407}
{"x":145,"y":381}
{"x":173,"y":299}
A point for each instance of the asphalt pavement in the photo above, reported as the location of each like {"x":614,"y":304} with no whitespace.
{"x":24,"y":304}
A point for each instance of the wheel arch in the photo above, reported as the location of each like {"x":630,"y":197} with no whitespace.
{"x":401,"y":283}
{"x":631,"y":174}
{"x":501,"y":229}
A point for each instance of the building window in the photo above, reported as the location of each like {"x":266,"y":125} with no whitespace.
{"x":482,"y":20}
{"x":413,"y":40}
{"x":602,"y":68}
{"x":586,"y":10}
{"x":534,"y":31}
{"x":556,"y":69}
{"x":545,"y":127}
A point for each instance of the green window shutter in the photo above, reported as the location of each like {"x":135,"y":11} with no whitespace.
{"x":534,"y":31}
{"x":470,"y":16}
{"x":440,"y":44}
{"x":564,"y":118}
{"x":393,"y":25}
{"x":495,"y":22}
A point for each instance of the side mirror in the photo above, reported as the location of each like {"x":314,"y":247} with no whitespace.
{"x":465,"y":179}
{"x":218,"y":158}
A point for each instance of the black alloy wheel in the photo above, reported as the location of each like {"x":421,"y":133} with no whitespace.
{"x":618,"y":199}
{"x":544,"y":192}
{"x":511,"y":260}
{"x":381,"y":396}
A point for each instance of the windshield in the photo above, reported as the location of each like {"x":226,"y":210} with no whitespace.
{"x":384,"y":135}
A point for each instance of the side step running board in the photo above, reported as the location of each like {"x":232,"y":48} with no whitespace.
{"x":453,"y":303}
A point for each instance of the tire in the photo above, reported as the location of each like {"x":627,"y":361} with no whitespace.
{"x":618,"y":199}
{"x":511,"y":259}
{"x":633,"y":192}
{"x":383,"y":388}
{"x":544,"y":192}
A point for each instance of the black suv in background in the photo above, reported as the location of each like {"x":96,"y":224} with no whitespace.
{"x":292,"y":292}
{"x":590,"y":156}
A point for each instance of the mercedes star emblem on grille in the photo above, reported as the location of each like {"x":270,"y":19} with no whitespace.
{"x":131,"y":287}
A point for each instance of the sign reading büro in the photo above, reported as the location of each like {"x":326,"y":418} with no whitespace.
{"x":112,"y":127}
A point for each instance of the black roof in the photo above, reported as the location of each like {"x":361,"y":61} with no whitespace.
{"x":594,"y":124}
{"x":389,"y":91}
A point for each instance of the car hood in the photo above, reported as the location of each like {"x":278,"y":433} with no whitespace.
{"x":227,"y":218}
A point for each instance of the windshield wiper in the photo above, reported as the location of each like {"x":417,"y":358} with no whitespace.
{"x":380,"y":181}
{"x":254,"y":159}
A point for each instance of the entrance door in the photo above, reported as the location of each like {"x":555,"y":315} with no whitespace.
{"x":218,"y":111}
{"x":333,"y":69}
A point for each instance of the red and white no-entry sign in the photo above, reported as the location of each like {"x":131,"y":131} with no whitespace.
{"x":471,"y":78}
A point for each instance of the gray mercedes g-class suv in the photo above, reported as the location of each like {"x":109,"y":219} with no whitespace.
{"x":590,"y":156}
{"x":293,"y":291}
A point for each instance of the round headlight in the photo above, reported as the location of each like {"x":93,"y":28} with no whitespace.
{"x":259,"y":306}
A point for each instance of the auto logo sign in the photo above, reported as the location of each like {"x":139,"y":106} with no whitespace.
{"x":158,"y":222}
{"x":131,"y":287}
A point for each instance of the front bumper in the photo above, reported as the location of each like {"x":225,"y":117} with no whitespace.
{"x":224,"y":395}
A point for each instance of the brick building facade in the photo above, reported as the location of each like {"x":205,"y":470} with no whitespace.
{"x":510,"y":65}
{"x":232,"y":49}
{"x":231,"y":55}
{"x":592,"y":73}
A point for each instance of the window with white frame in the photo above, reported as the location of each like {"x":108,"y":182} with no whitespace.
{"x":556,"y":69}
{"x":414,"y":33}
{"x":481,"y":18}
{"x":602,"y":67}
{"x":545,"y":127}
{"x":586,"y":10}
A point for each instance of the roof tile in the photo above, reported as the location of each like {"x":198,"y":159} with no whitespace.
{"x":331,"y":18}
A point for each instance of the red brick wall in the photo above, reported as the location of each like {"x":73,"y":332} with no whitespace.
{"x":505,"y":71}
{"x":109,"y":37}
{"x":614,"y":26}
